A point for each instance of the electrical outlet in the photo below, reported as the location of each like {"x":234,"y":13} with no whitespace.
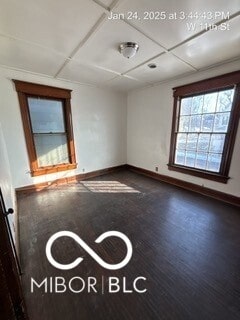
{"x":156,"y":169}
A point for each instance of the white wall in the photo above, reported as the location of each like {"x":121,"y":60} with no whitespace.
{"x":99,"y":124}
{"x":149,"y":130}
{"x":103,"y":122}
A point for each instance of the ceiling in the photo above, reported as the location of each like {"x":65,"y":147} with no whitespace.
{"x":76,"y":41}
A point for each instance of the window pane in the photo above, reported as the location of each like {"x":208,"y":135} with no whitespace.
{"x":201,"y":160}
{"x":217,"y":143}
{"x":225,"y":99}
{"x":197,"y":104}
{"x":202,"y":128}
{"x":184,"y":123}
{"x":181,"y":141}
{"x":195,"y":123}
{"x":51,"y":149}
{"x":186,"y":104}
{"x":190,"y":158}
{"x":203,"y":142}
{"x":180,"y":157}
{"x":210,"y":102}
{"x":192,"y":141}
{"x":207,"y":122}
{"x":213,"y":162}
{"x":46,"y":115}
{"x":221,"y":122}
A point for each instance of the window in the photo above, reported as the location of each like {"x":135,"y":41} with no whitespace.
{"x":46,"y":115}
{"x":205,"y":120}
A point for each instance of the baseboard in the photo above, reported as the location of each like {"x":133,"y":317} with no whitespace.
{"x":188,"y":185}
{"x":75,"y":178}
{"x":170,"y":180}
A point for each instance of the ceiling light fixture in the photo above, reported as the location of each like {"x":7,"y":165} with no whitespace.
{"x":128,"y":49}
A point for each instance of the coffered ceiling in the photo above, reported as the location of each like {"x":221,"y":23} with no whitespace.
{"x":76,"y":41}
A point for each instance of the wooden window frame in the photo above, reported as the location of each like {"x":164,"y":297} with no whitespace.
{"x":222,"y":82}
{"x":27,"y":89}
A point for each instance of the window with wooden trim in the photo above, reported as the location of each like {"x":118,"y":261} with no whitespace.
{"x":47,"y":123}
{"x":204,"y":127}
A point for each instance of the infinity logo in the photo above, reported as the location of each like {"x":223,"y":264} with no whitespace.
{"x":89,"y":250}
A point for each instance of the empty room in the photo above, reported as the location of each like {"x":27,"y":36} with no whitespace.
{"x":119,"y":160}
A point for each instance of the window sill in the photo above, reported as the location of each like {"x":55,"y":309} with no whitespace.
{"x":199,"y":173}
{"x":53,"y":169}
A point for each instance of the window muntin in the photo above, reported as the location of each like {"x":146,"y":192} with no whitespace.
{"x":202,"y":126}
{"x":49,"y":132}
{"x":47,"y":124}
{"x":209,"y":110}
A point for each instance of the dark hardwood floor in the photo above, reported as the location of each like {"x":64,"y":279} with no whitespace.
{"x":186,"y":245}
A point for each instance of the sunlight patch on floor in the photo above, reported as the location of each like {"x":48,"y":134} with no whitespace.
{"x":108,"y":187}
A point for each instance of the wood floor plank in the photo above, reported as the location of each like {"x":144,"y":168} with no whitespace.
{"x":186,"y":245}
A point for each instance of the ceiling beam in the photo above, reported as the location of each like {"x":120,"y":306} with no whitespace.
{"x":91,"y":32}
{"x":200,"y":33}
{"x":196,"y":35}
{"x":103,"y":19}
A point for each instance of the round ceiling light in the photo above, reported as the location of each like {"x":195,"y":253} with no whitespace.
{"x":128,"y":49}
